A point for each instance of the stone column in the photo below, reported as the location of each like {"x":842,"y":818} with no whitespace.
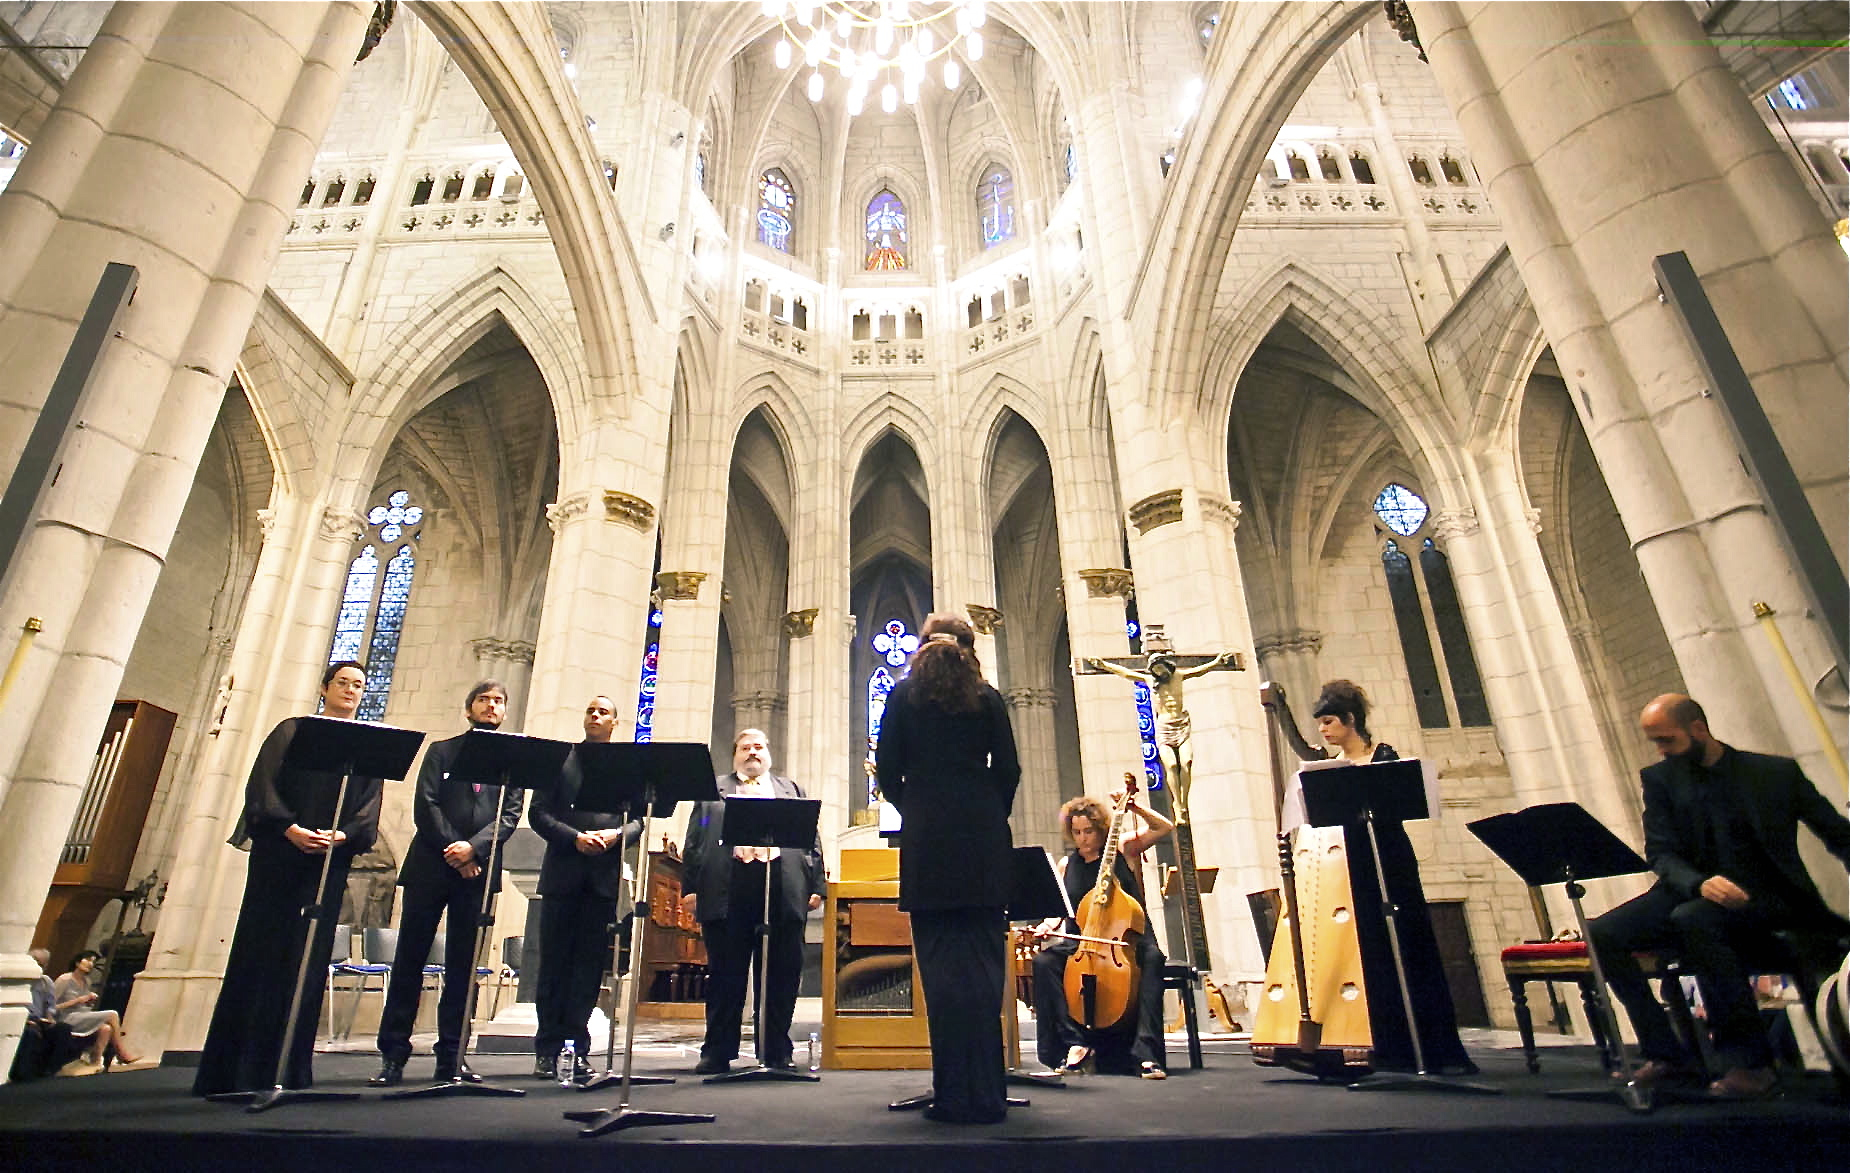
{"x":1665,"y":153}
{"x":688,"y":649}
{"x":1291,"y":662}
{"x":1037,"y":802}
{"x":758,"y":708}
{"x":276,"y":661}
{"x":1188,"y":580}
{"x":1109,"y":741}
{"x":511,"y":662}
{"x":224,"y":138}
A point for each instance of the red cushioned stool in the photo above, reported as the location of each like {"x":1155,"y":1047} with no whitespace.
{"x":1560,"y":961}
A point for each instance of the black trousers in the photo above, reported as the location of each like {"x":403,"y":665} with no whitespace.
{"x":732,"y":943}
{"x":417,"y":927}
{"x":575,"y":950}
{"x":960,"y":955}
{"x":1055,"y":1032}
{"x":246,"y":1034}
{"x":1710,"y":940}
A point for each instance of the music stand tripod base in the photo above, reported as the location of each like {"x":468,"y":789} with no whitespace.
{"x":276,"y":1097}
{"x":1389,"y":1081}
{"x":599,"y":1121}
{"x":763,"y":1074}
{"x":923,"y":1100}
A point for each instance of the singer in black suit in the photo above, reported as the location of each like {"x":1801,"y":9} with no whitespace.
{"x":582,"y":901}
{"x":443,"y":873}
{"x":1721,"y":832}
{"x":724,"y":889}
{"x":947,"y":760}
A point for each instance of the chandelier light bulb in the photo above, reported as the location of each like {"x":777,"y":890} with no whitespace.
{"x":978,"y":14}
{"x":804,"y":9}
{"x":781,"y":54}
{"x":973,"y":45}
{"x":815,"y":87}
{"x":952,"y":75}
{"x":926,"y":43}
{"x":844,"y":24}
{"x":883,"y":36}
{"x":889,"y":98}
{"x":817,"y":48}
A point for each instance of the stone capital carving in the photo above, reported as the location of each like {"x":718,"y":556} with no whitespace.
{"x":266,"y":522}
{"x":984,"y":619}
{"x":680,"y":585}
{"x":759,"y":700}
{"x":1289,"y":643}
{"x":1029,"y":698}
{"x":342,"y":525}
{"x":493,"y":649}
{"x":1220,"y":509}
{"x":798,"y":624}
{"x":628,"y":509}
{"x":1534,"y":518}
{"x":1454,"y":523}
{"x":567,"y":509}
{"x":1158,"y":509}
{"x":1109,"y":582}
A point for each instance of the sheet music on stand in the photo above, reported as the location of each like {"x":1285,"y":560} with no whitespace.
{"x":1292,"y":816}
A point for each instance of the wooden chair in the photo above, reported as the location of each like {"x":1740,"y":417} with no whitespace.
{"x":1567,"y":961}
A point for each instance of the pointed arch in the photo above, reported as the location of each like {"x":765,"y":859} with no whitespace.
{"x":294,"y":386}
{"x":416,"y":357}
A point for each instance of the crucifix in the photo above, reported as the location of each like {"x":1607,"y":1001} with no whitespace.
{"x":1163,"y":671}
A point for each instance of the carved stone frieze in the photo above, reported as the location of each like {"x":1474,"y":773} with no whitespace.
{"x":1108,"y":582}
{"x":1289,"y":643}
{"x":1448,"y":524}
{"x":628,"y":509}
{"x":342,"y":525}
{"x":798,"y":624}
{"x":491,"y":649}
{"x":567,"y":509}
{"x":984,"y":619}
{"x":266,"y":522}
{"x":1029,"y":698}
{"x":1220,"y":509}
{"x":1158,"y":509}
{"x":680,"y":585}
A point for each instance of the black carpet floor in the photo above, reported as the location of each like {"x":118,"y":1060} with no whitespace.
{"x":1228,"y":1115}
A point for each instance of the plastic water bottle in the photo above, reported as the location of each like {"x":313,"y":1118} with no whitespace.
{"x":815,"y":1055}
{"x":568,"y":1063}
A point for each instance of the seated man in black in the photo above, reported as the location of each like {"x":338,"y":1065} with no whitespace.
{"x":724,"y":889}
{"x":1720,"y":831}
{"x":1059,"y":1041}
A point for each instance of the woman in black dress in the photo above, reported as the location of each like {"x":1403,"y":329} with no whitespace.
{"x":1342,"y":719}
{"x":290,"y":822}
{"x":947,"y":760}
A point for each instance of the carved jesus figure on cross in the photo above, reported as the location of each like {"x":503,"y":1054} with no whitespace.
{"x":1164,"y":672}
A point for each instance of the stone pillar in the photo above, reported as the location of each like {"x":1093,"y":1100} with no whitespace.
{"x":1432,"y":296}
{"x":1665,"y":153}
{"x":597,"y":595}
{"x":225,"y":138}
{"x":1037,"y":802}
{"x":1188,"y":580}
{"x":276,"y":661}
{"x":1109,"y":741}
{"x":511,"y":662}
{"x":759,"y":708}
{"x":1291,"y":662}
{"x":688,"y":650}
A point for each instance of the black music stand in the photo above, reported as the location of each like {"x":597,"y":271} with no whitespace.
{"x":503,"y":760}
{"x":670,"y":772}
{"x":1383,"y":792}
{"x":788,"y":824}
{"x":332,"y":746}
{"x":1034,"y":894}
{"x":617,"y":777}
{"x":1561,"y":843}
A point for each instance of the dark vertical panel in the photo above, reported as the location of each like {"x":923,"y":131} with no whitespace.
{"x":1467,"y":685}
{"x":1422,"y":669}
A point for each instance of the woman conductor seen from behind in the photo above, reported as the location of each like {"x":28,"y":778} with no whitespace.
{"x":947,"y":760}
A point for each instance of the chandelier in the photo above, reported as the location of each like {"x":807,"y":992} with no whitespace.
{"x":889,"y":44}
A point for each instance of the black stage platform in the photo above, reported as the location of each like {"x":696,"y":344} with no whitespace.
{"x":1230,"y":1115}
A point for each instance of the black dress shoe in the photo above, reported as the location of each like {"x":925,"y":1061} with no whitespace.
{"x":581,"y":1069}
{"x":546,"y":1067}
{"x":392,"y":1071}
{"x":462,"y":1071}
{"x":708,"y":1066}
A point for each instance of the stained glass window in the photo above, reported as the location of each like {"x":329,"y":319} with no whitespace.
{"x":1415,"y":643}
{"x":700,"y":170}
{"x":886,"y":233}
{"x":892,"y":643}
{"x":777,"y":205}
{"x":645,"y":691}
{"x":1401,"y":509}
{"x":1071,"y":163}
{"x":372,"y":607}
{"x":995,"y":203}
